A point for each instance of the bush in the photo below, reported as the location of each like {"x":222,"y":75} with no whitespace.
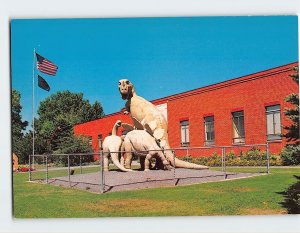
{"x":253,"y":157}
{"x":290,"y":155}
{"x":24,"y":168}
{"x":292,"y":198}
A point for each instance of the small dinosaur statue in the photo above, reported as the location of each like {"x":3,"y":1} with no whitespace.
{"x":111,"y":146}
{"x":143,"y":145}
{"x":146,"y":116}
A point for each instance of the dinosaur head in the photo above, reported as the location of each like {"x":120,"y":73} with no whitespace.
{"x":126,"y":89}
{"x":115,"y":127}
{"x":118,"y":123}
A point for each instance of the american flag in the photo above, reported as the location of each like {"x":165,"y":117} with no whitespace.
{"x":45,"y":66}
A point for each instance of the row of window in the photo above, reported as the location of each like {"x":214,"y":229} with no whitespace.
{"x":273,"y":127}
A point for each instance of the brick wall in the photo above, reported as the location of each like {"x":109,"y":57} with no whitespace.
{"x":250,"y":94}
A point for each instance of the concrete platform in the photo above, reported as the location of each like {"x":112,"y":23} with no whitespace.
{"x":120,"y":181}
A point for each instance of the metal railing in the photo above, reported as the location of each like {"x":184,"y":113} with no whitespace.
{"x":41,"y":162}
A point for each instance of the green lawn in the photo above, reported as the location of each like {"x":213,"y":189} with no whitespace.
{"x":251,"y":196}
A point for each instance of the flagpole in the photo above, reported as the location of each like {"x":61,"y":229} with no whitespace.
{"x":33,"y":102}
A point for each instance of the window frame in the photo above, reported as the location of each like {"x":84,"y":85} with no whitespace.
{"x":242,"y":138}
{"x":186,"y":125}
{"x":274,"y":136}
{"x":90,"y":140}
{"x":206,"y":119}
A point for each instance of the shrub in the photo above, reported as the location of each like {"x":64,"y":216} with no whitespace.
{"x":275,"y":160}
{"x":292,"y":198}
{"x":290,"y":155}
{"x":253,"y":157}
{"x":25,"y":169}
{"x":187,"y":158}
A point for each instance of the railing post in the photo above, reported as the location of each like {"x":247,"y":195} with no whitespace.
{"x":29,"y":164}
{"x":69,"y":172}
{"x":224,"y":151}
{"x":80,"y":164}
{"x":46,"y":168}
{"x":174,"y":172}
{"x":32,"y":162}
{"x":102,"y":172}
{"x":268,"y":158}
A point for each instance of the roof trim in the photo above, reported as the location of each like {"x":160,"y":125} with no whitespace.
{"x":106,"y":116}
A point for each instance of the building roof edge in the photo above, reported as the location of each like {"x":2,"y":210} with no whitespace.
{"x":230,"y":82}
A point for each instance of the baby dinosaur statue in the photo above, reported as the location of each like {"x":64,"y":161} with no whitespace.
{"x":111,"y":146}
{"x":143,"y":145}
{"x":146,"y":116}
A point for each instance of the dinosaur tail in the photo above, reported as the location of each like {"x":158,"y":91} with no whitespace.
{"x":177,"y":163}
{"x":115,"y":160}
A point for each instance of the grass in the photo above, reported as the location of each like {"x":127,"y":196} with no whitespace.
{"x":251,"y":196}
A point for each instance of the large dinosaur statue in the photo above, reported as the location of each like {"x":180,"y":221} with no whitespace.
{"x":143,"y":145}
{"x":146,"y":116}
{"x":111,"y":146}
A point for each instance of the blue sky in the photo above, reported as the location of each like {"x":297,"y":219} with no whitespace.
{"x":161,"y":56}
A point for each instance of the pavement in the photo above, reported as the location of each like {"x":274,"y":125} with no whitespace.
{"x":120,"y":181}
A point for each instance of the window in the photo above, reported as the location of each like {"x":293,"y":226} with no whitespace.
{"x":90,"y":140}
{"x":100,"y":141}
{"x":184,"y":130}
{"x":238,"y":127}
{"x":273,"y":122}
{"x":209,"y":130}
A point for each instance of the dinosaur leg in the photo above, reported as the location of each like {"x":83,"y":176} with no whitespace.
{"x":128,"y":155}
{"x":142,"y":162}
{"x":105,"y":161}
{"x":164,"y":161}
{"x":122,"y":159}
{"x":147,"y":161}
{"x":128,"y":160}
{"x":158,"y":164}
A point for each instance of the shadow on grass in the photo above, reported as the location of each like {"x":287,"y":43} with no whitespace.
{"x":292,"y":197}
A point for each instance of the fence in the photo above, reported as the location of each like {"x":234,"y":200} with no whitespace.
{"x":78,"y":170}
{"x":228,"y":158}
{"x":47,"y":167}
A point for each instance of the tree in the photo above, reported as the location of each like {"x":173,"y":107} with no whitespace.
{"x":57,"y":116}
{"x":17,"y":125}
{"x":74,"y":145}
{"x":291,"y":152}
{"x":95,"y":111}
{"x":292,"y":114}
{"x":26,"y":145}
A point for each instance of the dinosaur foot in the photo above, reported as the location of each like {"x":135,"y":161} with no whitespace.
{"x":168,"y":167}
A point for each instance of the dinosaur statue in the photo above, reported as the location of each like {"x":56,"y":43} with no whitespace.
{"x":143,"y":145}
{"x":15,"y":162}
{"x":111,"y":145}
{"x":146,"y":116}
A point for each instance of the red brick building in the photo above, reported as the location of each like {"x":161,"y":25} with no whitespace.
{"x":244,"y":110}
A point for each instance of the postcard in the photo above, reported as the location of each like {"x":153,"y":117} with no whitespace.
{"x":166,"y":116}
